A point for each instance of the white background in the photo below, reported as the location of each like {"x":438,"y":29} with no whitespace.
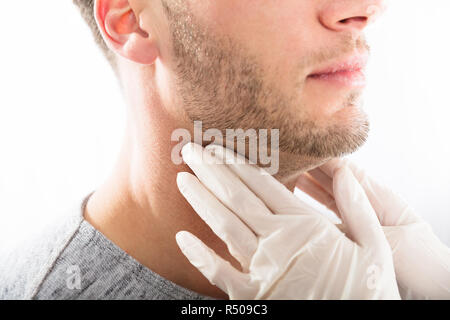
{"x":61,"y":112}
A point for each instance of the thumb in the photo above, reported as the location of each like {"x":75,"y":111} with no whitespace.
{"x":391,"y":208}
{"x":356,"y":211}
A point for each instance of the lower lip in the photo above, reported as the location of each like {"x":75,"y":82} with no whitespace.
{"x":347,"y":78}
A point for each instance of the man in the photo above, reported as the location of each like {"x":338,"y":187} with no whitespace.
{"x":296,"y":66}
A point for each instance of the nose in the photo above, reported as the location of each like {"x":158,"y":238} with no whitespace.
{"x":350,"y":15}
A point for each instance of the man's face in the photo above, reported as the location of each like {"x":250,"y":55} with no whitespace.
{"x":293,"y":65}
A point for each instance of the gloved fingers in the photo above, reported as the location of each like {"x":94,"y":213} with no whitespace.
{"x":356,"y":211}
{"x":274,"y":195}
{"x":311,"y":187}
{"x":428,"y":279}
{"x":240,"y":240}
{"x":333,"y":165}
{"x":217,"y":270}
{"x":391,"y":209}
{"x":228,"y":188}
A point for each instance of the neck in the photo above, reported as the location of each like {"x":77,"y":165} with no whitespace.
{"x":140,"y":209}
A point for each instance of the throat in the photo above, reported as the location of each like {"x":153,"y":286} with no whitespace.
{"x":147,"y":233}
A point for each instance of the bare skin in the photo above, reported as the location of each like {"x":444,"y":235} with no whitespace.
{"x":139,"y":207}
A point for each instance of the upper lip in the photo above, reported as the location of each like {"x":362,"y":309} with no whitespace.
{"x":354,"y":62}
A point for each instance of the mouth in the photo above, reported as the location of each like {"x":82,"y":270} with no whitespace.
{"x":348,"y":72}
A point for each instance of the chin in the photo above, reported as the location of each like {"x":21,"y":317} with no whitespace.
{"x":292,"y":165}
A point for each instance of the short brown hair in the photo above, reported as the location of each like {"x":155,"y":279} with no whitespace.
{"x":87,"y":12}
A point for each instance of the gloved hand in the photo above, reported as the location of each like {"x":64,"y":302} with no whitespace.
{"x":421,"y":260}
{"x":287,"y":250}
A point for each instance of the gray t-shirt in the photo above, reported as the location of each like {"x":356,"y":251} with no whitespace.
{"x":73,"y":260}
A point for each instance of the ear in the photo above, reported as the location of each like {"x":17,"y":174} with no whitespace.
{"x":121,"y":31}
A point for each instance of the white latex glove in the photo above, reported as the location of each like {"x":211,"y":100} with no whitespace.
{"x":421,"y":260}
{"x":286,"y":249}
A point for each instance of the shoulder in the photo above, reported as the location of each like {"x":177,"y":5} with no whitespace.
{"x":24,"y":267}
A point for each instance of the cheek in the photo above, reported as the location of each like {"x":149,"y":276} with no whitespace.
{"x":280,"y":36}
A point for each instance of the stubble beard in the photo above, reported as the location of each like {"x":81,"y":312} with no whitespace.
{"x":222,"y":86}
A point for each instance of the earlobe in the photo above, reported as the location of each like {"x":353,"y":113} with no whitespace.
{"x":121,"y":31}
